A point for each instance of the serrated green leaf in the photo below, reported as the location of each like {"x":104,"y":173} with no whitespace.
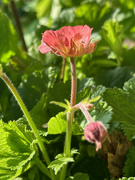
{"x":100,"y":112}
{"x":32,"y":88}
{"x":74,"y":151}
{"x":16,"y":150}
{"x":60,"y":161}
{"x":8,"y":39}
{"x":58,"y":124}
{"x":111,"y":33}
{"x":129,"y":168}
{"x":122,"y":101}
{"x":79,"y":176}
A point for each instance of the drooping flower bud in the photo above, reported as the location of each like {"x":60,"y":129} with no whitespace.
{"x":95,"y":132}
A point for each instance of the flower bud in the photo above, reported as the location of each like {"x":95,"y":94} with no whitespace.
{"x":96,"y":132}
{"x":88,"y":106}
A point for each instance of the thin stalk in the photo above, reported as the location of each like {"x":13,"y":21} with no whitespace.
{"x":29,"y":119}
{"x":63,"y":69}
{"x":17,"y":20}
{"x":86,"y":113}
{"x":43,"y":168}
{"x":73,"y":81}
{"x":70,"y":115}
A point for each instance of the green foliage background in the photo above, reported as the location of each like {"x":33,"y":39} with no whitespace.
{"x":108,"y":72}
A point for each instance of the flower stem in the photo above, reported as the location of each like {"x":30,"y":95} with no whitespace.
{"x":86,"y":113}
{"x":29,"y":119}
{"x":70,"y":115}
{"x":73,"y":81}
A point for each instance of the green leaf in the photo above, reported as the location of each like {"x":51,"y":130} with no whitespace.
{"x":79,"y":176}
{"x":59,"y":163}
{"x":129,"y":168}
{"x":114,"y":77}
{"x":8,"y":39}
{"x":39,"y":116}
{"x":111,"y":33}
{"x":16,"y":150}
{"x":43,"y":8}
{"x":93,"y":13}
{"x":58,"y":124}
{"x":66,"y":17}
{"x":122,"y":101}
{"x":6,"y":1}
{"x":100,"y":111}
{"x":32,"y":88}
{"x":61,"y":160}
{"x":124,"y":178}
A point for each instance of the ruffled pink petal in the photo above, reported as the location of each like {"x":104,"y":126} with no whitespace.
{"x":43,"y":48}
{"x":68,"y":41}
{"x":91,"y":47}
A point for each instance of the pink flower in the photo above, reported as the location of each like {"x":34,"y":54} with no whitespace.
{"x":95,"y":132}
{"x":68,"y":41}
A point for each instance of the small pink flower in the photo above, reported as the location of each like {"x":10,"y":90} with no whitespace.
{"x":68,"y":41}
{"x":95,"y":132}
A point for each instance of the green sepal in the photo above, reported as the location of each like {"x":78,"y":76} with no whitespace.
{"x":87,"y":100}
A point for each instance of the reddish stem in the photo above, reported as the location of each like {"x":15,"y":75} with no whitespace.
{"x":73,"y":81}
{"x":86,"y":113}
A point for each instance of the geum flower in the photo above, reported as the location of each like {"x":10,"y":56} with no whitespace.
{"x":68,"y":41}
{"x":95,"y":132}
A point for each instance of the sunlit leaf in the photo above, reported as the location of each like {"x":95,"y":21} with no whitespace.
{"x":16,"y":150}
{"x":8,"y":39}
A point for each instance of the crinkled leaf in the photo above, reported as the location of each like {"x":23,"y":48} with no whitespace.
{"x":111,"y":33}
{"x":16,"y":150}
{"x":122,"y":101}
{"x":62,"y":160}
{"x":32,"y":88}
{"x":59,"y":163}
{"x":115,"y":77}
{"x":8,"y":39}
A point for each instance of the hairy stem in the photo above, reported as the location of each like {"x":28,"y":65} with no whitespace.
{"x":70,"y":115}
{"x":73,"y":81}
{"x":86,"y":113}
{"x":29,"y":119}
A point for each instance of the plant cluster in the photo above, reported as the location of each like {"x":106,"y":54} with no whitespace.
{"x":68,"y":112}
